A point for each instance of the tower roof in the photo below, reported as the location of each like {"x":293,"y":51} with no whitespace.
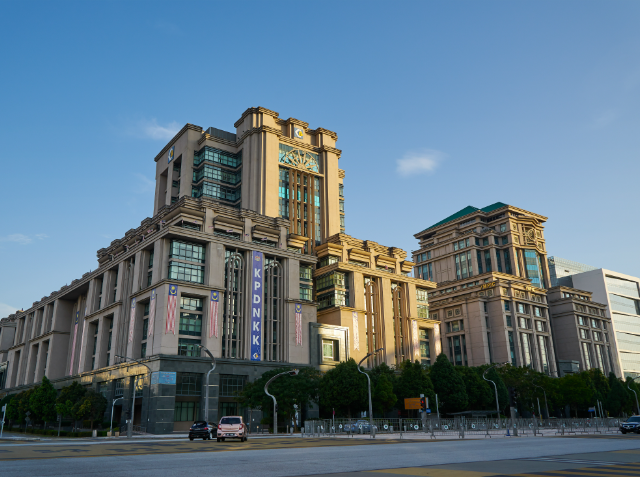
{"x":466,"y":211}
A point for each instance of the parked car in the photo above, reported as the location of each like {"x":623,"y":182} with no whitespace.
{"x":232,"y":427}
{"x":355,"y":427}
{"x":202,"y":429}
{"x":631,"y":425}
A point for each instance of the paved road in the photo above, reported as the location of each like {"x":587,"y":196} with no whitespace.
{"x":286,"y":457}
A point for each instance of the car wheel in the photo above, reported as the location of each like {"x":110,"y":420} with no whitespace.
{"x":624,"y":432}
{"x":223,"y":439}
{"x":190,"y":438}
{"x":218,"y":439}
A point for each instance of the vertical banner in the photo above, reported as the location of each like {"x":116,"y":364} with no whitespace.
{"x":152,"y":313}
{"x":437,"y":344}
{"x":132,"y":319}
{"x":356,"y":334}
{"x":416,"y":341}
{"x":298,"y":324}
{"x":213,"y":314}
{"x":256,"y":305}
{"x":73,"y":345}
{"x":172,"y":303}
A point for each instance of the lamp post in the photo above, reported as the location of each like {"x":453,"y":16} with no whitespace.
{"x":206,"y":391}
{"x":494,"y":387}
{"x":545,"y":398}
{"x":369,"y":387}
{"x":133,"y":397}
{"x":636,"y":394}
{"x":293,"y":372}
{"x":111,"y":423}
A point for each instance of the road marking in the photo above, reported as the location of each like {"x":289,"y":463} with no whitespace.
{"x":571,"y":461}
{"x":433,"y":472}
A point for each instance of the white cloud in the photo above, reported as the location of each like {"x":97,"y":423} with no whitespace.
{"x":22,"y":239}
{"x":419,"y":162}
{"x":153,"y":130}
{"x":6,"y":310}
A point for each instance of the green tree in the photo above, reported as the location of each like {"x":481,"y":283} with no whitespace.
{"x":92,"y":407}
{"x":618,"y":396}
{"x":412,"y":382}
{"x":577,"y":391}
{"x":631,"y":383}
{"x":503,"y":392}
{"x":448,"y":385}
{"x":344,"y":389}
{"x":19,"y":405}
{"x":382,"y":395}
{"x":69,"y":400}
{"x":289,"y":390}
{"x":480,"y":393}
{"x":42,"y":402}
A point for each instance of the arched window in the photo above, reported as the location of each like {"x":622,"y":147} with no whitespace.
{"x":274,"y":324}
{"x":233,"y":326}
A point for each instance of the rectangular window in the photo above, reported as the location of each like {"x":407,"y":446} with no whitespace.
{"x":463,"y":265}
{"x":487,"y":261}
{"x":584,"y":334}
{"x":425,"y":351}
{"x":512,"y":350}
{"x":423,"y":311}
{"x":306,"y":292}
{"x":187,"y":347}
{"x":186,"y":272}
{"x":587,"y":355}
{"x":507,"y":306}
{"x":498,"y":259}
{"x":187,"y":251}
{"x":594,"y":323}
{"x":525,"y":338}
{"x":479,"y":257}
{"x":597,"y":336}
{"x":185,"y":411}
{"x":544,"y":361}
{"x":119,"y":391}
{"x":580,"y":320}
{"x":231,"y":385}
{"x":143,"y":350}
{"x":541,"y":326}
{"x":508,"y":320}
{"x":524,"y":323}
{"x":188,"y":384}
{"x":600,"y":357}
{"x":329,"y":350}
{"x":190,"y":324}
{"x":537,"y":311}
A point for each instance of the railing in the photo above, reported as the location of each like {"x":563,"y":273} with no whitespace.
{"x":434,"y":427}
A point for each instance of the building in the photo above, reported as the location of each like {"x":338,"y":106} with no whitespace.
{"x":245,"y":227}
{"x":620,"y":293}
{"x":560,"y":269}
{"x":491,"y":272}
{"x":366,"y":288}
{"x":582,"y":332}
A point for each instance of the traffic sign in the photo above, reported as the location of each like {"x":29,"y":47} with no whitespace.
{"x":428,"y":411}
{"x":412,"y":403}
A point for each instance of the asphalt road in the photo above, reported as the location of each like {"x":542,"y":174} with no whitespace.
{"x":561,"y":457}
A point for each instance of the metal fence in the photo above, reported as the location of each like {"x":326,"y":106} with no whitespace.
{"x":460,"y":427}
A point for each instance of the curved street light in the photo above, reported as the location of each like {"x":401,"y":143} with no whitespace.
{"x":133,"y":398}
{"x":369,"y":387}
{"x":293,"y":372}
{"x":636,"y":394}
{"x":495,"y":388}
{"x":545,"y":399}
{"x":206,"y":391}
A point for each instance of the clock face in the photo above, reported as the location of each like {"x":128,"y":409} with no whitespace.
{"x":298,"y":133}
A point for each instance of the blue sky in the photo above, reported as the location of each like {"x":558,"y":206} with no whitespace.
{"x":437,"y":105}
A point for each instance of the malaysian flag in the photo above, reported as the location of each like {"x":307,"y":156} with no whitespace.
{"x":298,"y":324}
{"x":356,"y":334}
{"x":213,"y":314}
{"x":172,"y":303}
{"x":132,"y":319}
{"x":152,"y":312}
{"x":73,"y":346}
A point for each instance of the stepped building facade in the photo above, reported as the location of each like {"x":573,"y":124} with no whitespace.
{"x":246,"y":256}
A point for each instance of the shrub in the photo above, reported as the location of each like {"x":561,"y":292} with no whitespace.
{"x":86,"y":424}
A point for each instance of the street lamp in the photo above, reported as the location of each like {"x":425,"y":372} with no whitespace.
{"x":495,"y":388}
{"x":293,"y":372}
{"x":545,"y":399}
{"x":133,"y":397}
{"x":111,"y":423}
{"x":369,"y":387}
{"x":206,"y":391}
{"x":636,"y":394}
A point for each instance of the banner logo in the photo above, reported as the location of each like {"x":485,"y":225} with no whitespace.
{"x":256,"y":306}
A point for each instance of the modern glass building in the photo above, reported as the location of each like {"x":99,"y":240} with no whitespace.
{"x":561,"y":270}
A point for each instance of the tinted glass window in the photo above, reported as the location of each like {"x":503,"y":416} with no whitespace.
{"x":633,"y":419}
{"x":230,"y":420}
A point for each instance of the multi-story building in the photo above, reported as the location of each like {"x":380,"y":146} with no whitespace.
{"x":491,"y":272}
{"x":582,"y":332}
{"x":227,"y":262}
{"x":561,"y":269}
{"x":621,"y":294}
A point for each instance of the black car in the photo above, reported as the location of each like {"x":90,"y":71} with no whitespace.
{"x":202,"y":429}
{"x":631,"y":425}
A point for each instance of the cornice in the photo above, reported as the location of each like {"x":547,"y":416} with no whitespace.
{"x":104,"y":310}
{"x":341,"y":173}
{"x":255,"y":110}
{"x":186,"y":127}
{"x":326,"y":132}
{"x":258,"y":130}
{"x":48,"y":334}
{"x":207,"y":137}
{"x":332,"y":150}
